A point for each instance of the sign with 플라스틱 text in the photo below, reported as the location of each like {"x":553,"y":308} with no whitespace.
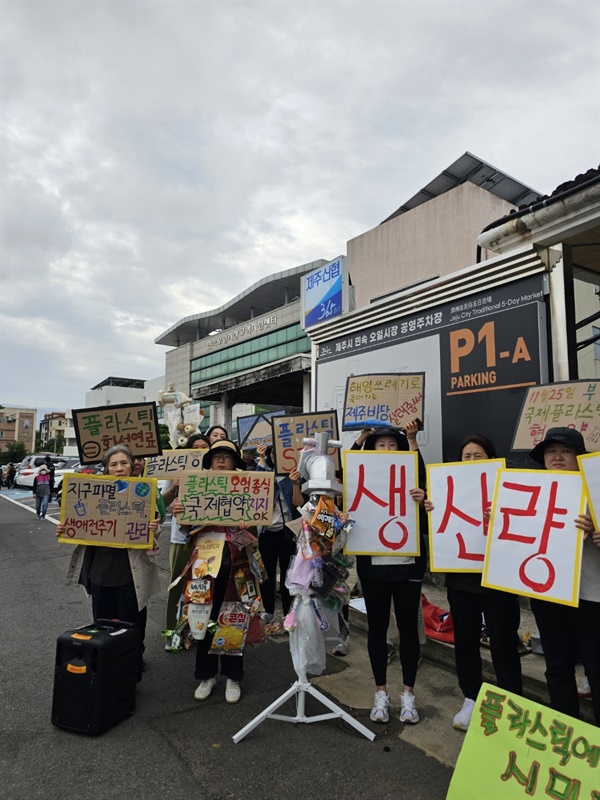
{"x":288,"y":433}
{"x":173,"y":462}
{"x":223,"y":497}
{"x":108,"y":511}
{"x":132,"y":425}
{"x":392,"y":399}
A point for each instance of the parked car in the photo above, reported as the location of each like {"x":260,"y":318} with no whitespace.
{"x":70,"y":465}
{"x":30,"y":466}
{"x":80,"y":469}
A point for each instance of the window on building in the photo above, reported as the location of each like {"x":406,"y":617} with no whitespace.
{"x":596,"y":332}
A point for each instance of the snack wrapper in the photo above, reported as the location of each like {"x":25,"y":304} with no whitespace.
{"x":199,"y":590}
{"x":198,"y":617}
{"x":232,"y":628}
{"x":323,"y":518}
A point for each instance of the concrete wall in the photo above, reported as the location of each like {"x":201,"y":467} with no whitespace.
{"x":436,"y":238}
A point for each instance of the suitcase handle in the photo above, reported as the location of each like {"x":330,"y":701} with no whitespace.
{"x":113,"y":622}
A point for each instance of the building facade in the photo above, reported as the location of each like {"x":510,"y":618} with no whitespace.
{"x":53,"y":426}
{"x":18,"y":425}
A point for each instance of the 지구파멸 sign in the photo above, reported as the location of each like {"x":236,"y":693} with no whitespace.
{"x":99,"y":429}
{"x":173,"y":462}
{"x":108,"y":511}
{"x":533,"y":546}
{"x":377,"y":496}
{"x":571,"y":404}
{"x":383,"y":400}
{"x":516,"y":749}
{"x":460,"y":492}
{"x":226,"y":498}
{"x":288,"y":433}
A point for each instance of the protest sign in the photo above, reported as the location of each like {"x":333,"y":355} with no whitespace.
{"x":460,"y":493}
{"x":288,"y":433}
{"x":226,"y":498}
{"x":571,"y":404}
{"x":376,"y":496}
{"x":590,"y":469}
{"x":172,"y":463}
{"x":133,"y":425}
{"x":256,"y":429}
{"x":108,"y":511}
{"x":392,"y":399}
{"x":516,"y":749}
{"x":533,"y":546}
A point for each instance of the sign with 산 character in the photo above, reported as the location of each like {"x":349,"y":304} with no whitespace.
{"x":324,"y":293}
{"x":99,"y":510}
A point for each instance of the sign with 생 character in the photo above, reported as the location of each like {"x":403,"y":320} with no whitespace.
{"x":461,"y":492}
{"x":288,"y":433}
{"x":390,"y":399}
{"x":214,"y":497}
{"x":172,"y":463}
{"x":516,"y":749}
{"x":377,"y":496}
{"x":590,"y":469}
{"x":533,"y":546}
{"x":571,"y":404}
{"x":107,"y":511}
{"x":133,"y":425}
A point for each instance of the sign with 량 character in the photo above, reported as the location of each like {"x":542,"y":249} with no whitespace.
{"x":107,"y":511}
{"x":214,"y":497}
{"x":173,"y":462}
{"x":391,"y":399}
{"x":133,"y":425}
{"x":516,"y":749}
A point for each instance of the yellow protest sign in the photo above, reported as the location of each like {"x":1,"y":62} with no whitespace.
{"x":226,"y":498}
{"x":516,"y":749}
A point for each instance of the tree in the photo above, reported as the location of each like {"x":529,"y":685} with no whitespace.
{"x":164,"y":436}
{"x":15,"y":453}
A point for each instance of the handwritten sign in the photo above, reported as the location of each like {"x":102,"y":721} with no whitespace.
{"x":173,"y":462}
{"x":516,"y":749}
{"x":572,"y":404}
{"x":390,"y":399}
{"x":533,"y":547}
{"x":460,"y":493}
{"x":590,"y":470}
{"x":99,"y":429}
{"x":376,"y":495}
{"x":108,"y":511}
{"x":256,"y":429}
{"x":288,"y":433}
{"x":226,"y":498}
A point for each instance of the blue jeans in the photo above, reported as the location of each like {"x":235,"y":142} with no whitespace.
{"x":41,"y":505}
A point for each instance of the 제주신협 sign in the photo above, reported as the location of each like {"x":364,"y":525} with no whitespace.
{"x":108,"y":511}
{"x":516,"y":749}
{"x":133,"y":425}
{"x":226,"y":498}
{"x":392,"y":399}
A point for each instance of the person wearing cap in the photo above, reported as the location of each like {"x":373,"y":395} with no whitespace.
{"x":41,"y":491}
{"x":568,"y":633}
{"x":399,"y":582}
{"x":223,"y":455}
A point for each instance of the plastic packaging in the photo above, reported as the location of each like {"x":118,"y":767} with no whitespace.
{"x":317,"y":572}
{"x":307,"y":645}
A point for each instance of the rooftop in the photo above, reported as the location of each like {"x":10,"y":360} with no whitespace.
{"x":125,"y":383}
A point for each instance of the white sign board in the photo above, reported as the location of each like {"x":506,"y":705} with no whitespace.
{"x":590,"y":469}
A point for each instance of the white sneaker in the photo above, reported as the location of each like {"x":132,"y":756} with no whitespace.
{"x":381,"y":704}
{"x":204,"y":690}
{"x":233,"y":691}
{"x":583,"y":690}
{"x":341,"y":649}
{"x":463,"y":718}
{"x":408,"y":711}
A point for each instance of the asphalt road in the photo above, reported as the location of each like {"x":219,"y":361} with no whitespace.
{"x":173,"y":746}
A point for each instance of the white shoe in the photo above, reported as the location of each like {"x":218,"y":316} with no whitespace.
{"x":233,"y":691}
{"x":381,"y":704}
{"x":204,"y":690}
{"x":341,"y":649}
{"x":583,"y":690}
{"x":463,"y":718}
{"x":408,"y":711}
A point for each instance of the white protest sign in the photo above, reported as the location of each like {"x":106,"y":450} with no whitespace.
{"x":590,"y":469}
{"x":534,"y":548}
{"x":376,"y":495}
{"x":460,"y":493}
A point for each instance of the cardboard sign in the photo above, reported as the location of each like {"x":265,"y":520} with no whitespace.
{"x":590,"y":470}
{"x":108,"y":511}
{"x":133,"y":425}
{"x":516,"y":749}
{"x":391,"y":400}
{"x":533,"y":545}
{"x":460,"y":493}
{"x":256,"y":429}
{"x":376,"y":496}
{"x":572,"y":404}
{"x":223,"y":497}
{"x":288,"y":433}
{"x":172,"y":463}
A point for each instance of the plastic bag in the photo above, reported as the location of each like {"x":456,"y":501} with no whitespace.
{"x":307,"y":644}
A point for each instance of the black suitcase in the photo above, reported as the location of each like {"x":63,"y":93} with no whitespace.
{"x":95,"y":676}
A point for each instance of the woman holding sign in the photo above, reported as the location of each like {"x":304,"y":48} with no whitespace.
{"x":120,"y":580}
{"x":567,"y":632}
{"x":399,"y":582}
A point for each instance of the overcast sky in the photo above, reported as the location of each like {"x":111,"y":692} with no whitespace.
{"x":160,"y":157}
